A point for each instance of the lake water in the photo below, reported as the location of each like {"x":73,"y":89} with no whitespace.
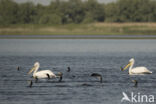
{"x":84,"y":58}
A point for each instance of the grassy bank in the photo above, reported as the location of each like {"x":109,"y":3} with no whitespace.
{"x":81,"y":29}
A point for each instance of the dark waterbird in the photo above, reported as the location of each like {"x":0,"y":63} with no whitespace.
{"x":18,"y":68}
{"x":135,"y":83}
{"x":85,"y":84}
{"x":73,"y":76}
{"x":60,"y":75}
{"x":99,"y":76}
{"x":36,"y":79}
{"x":30,"y":83}
{"x":68,"y":69}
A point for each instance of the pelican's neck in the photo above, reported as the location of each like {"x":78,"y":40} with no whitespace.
{"x":36,"y":69}
{"x":131,"y":67}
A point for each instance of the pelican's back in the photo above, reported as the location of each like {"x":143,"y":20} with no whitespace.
{"x":140,"y":70}
{"x":43,"y":74}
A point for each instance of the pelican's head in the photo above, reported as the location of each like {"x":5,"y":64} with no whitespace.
{"x":131,"y":61}
{"x":36,"y":65}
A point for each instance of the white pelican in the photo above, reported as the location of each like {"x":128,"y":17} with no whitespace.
{"x":136,"y":70}
{"x":44,"y":73}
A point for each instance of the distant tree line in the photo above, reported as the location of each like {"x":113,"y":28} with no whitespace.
{"x":77,"y":11}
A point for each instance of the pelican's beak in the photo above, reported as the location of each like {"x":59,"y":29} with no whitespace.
{"x":31,"y":70}
{"x":129,"y":64}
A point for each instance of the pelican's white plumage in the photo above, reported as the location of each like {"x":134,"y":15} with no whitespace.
{"x":41,"y":74}
{"x":136,"y":70}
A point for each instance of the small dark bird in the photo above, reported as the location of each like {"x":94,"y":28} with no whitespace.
{"x":99,"y":76}
{"x":36,"y":79}
{"x":18,"y":68}
{"x":135,"y":83}
{"x":30,"y":83}
{"x":60,"y":75}
{"x":73,"y":76}
{"x":68,"y":69}
{"x":85,"y":84}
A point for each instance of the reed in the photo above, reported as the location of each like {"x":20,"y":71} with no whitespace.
{"x":81,"y":29}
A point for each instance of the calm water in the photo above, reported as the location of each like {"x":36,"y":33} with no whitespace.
{"x":84,"y":57}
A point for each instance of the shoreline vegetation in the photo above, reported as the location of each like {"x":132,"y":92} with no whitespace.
{"x":78,"y":18}
{"x":81,"y":29}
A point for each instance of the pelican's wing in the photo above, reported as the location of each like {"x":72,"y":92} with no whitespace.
{"x":43,"y":74}
{"x":141,"y":70}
